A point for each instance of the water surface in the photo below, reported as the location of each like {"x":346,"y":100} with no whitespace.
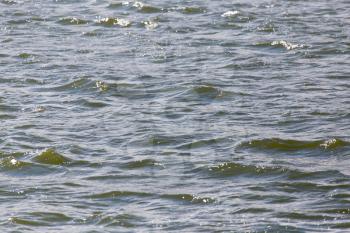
{"x":174,"y":116}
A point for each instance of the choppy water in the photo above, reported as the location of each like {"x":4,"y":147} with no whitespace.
{"x":183,"y":116}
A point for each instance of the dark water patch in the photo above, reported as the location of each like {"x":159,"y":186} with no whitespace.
{"x":50,"y":218}
{"x":193,"y":10}
{"x":249,"y":64}
{"x":8,"y":2}
{"x":162,"y":140}
{"x":285,"y":145}
{"x":309,"y":187}
{"x":336,"y":211}
{"x":343,"y":225}
{"x":72,"y":21}
{"x":84,"y":51}
{"x":7,"y":40}
{"x":51,"y":157}
{"x":117,"y":194}
{"x":252,"y":211}
{"x":341,"y":195}
{"x":7,"y":117}
{"x":93,"y":104}
{"x":302,"y":216}
{"x":113,"y":177}
{"x":307,"y":175}
{"x":19,"y":21}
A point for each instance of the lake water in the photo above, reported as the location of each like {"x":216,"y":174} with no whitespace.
{"x":174,"y":116}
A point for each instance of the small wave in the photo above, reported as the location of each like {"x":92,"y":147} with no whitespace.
{"x":11,"y":163}
{"x":230,"y":14}
{"x":115,"y":5}
{"x":78,"y":84}
{"x":294,"y":145}
{"x":192,"y":10}
{"x":8,"y":2}
{"x":236,"y":169}
{"x":142,"y":164}
{"x":287,"y":45}
{"x":26,"y":222}
{"x":116,"y":194}
{"x":150,"y":25}
{"x":146,"y":8}
{"x":302,"y":216}
{"x":161,"y":140}
{"x":109,"y":22}
{"x":25,"y":55}
{"x":123,"y":220}
{"x":194,"y":199}
{"x":201,"y":143}
{"x":51,"y":157}
{"x":189,"y":198}
{"x":252,"y":211}
{"x":18,"y":21}
{"x":280,"y":44}
{"x":209,"y":92}
{"x":72,"y":21}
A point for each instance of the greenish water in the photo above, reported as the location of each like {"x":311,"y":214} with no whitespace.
{"x":174,"y":116}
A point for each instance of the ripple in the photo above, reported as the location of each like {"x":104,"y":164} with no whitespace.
{"x":124,"y":220}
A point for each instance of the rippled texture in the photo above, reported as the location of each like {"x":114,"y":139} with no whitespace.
{"x":182,"y":116}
